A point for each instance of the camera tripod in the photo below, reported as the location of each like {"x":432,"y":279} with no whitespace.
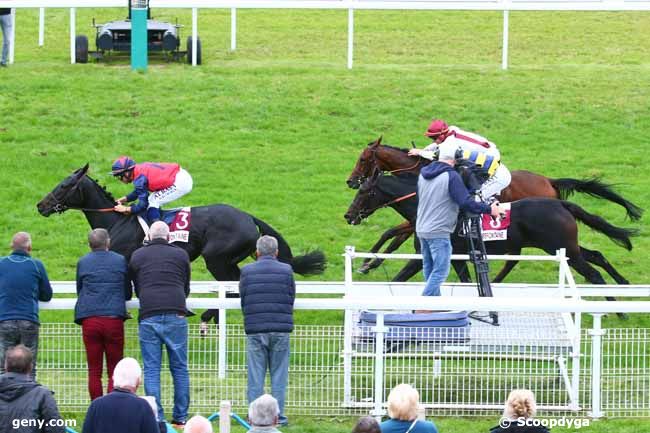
{"x":471,"y":229}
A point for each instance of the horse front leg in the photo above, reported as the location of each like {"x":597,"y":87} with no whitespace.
{"x":400,"y":233}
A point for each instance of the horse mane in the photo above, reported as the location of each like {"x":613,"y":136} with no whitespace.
{"x":102,"y":188}
{"x":401,"y":149}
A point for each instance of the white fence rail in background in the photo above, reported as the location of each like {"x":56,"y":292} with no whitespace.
{"x":348,"y":369}
{"x":349,"y":5}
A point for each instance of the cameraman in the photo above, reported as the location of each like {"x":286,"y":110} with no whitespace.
{"x":441,"y":194}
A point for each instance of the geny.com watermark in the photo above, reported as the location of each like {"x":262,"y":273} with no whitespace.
{"x":572,"y":423}
{"x":42,"y":423}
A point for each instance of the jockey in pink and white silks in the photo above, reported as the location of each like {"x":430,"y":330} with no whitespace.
{"x":155,"y":184}
{"x":475,"y":148}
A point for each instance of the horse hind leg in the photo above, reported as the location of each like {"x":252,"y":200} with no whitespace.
{"x":597,"y":258}
{"x":591,"y":274}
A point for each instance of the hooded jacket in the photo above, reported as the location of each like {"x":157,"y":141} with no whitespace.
{"x":441,"y":194}
{"x":23,"y":399}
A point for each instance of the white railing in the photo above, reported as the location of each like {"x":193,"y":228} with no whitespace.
{"x":349,"y":5}
{"x":338,"y":370}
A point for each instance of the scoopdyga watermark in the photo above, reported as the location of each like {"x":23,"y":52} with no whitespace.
{"x":571,"y":423}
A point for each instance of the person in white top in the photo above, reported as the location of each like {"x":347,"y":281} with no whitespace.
{"x":475,"y":148}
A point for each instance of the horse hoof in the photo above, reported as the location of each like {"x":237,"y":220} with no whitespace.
{"x":363,"y":270}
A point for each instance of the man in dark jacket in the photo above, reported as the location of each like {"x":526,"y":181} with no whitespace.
{"x":161,"y":278}
{"x":267,"y":291}
{"x":441,"y":194}
{"x":102,"y":290}
{"x":27,"y":407}
{"x":23,"y":282}
{"x":122,"y":410}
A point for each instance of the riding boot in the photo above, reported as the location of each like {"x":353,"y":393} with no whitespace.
{"x":153,"y":215}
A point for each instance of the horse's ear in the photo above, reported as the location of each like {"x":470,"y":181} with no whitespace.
{"x":379,"y":140}
{"x":84,"y":169}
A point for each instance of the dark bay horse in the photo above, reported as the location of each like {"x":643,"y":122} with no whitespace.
{"x":379,"y":157}
{"x":547,"y":224}
{"x":221,"y":234}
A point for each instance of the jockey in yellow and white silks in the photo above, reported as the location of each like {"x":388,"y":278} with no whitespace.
{"x":475,"y":148}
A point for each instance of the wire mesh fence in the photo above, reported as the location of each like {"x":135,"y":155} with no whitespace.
{"x":467,"y":375}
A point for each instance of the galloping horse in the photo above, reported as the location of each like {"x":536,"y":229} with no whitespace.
{"x":543,"y":223}
{"x":222,"y":234}
{"x":377,"y":157}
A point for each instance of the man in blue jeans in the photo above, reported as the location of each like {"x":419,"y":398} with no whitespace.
{"x":267,"y":291}
{"x":161,"y":278}
{"x":23,"y":282}
{"x":441,"y":194}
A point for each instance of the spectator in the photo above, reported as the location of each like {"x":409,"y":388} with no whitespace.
{"x":402,"y":410}
{"x":264,"y":415}
{"x":198,"y":424}
{"x":267,"y":291}
{"x":161,"y":278}
{"x":519,"y":410}
{"x":122,"y":410}
{"x":102,"y":288}
{"x":5,"y":25}
{"x":23,"y":282}
{"x":23,"y":399}
{"x":367,"y":424}
{"x":441,"y":193}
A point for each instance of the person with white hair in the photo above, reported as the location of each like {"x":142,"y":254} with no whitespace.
{"x":441,"y":195}
{"x":267,"y":290}
{"x":403,"y":403}
{"x":160,"y":273}
{"x":122,"y":410}
{"x":198,"y":424}
{"x":519,"y":411}
{"x":23,"y":282}
{"x":263,"y":414}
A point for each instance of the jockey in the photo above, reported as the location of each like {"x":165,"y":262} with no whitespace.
{"x":475,"y":148}
{"x":156,"y":183}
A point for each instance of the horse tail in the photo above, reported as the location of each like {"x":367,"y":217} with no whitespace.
{"x":618,"y":235}
{"x":311,"y":263}
{"x":594,"y":187}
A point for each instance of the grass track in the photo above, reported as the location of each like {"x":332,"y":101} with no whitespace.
{"x":274,"y":128}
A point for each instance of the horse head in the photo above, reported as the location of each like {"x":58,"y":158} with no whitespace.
{"x":367,"y":199}
{"x":366,"y":165}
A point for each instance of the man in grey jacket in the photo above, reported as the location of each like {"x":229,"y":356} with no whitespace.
{"x":441,"y":194}
{"x":27,"y":406}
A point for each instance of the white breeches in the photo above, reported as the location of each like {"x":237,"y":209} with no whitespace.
{"x":182,"y":185}
{"x":496,"y":183}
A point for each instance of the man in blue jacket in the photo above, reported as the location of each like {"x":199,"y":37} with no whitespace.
{"x":267,"y":291}
{"x":23,"y":282}
{"x":441,"y":194}
{"x":103,"y":287}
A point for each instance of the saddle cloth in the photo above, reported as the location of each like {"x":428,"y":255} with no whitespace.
{"x":496,"y":229}
{"x":178,"y":220}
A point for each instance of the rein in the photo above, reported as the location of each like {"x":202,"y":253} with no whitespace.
{"x":396,"y":200}
{"x":397,"y":170}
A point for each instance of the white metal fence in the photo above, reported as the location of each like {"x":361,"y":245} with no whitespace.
{"x":348,"y":369}
{"x":349,"y":5}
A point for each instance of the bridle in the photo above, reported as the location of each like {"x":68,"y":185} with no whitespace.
{"x":60,"y":206}
{"x":363,"y":213}
{"x":373,"y":161}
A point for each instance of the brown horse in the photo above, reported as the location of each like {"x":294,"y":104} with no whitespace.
{"x":378,"y":157}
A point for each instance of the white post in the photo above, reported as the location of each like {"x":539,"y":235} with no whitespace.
{"x":41,"y":27}
{"x":596,"y":365}
{"x":347,"y":330}
{"x":379,"y":330}
{"x":233,"y":29}
{"x":195,"y":34}
{"x":350,"y":37}
{"x":222,"y":335}
{"x":73,"y":48}
{"x":224,"y":416}
{"x":504,"y":51}
{"x":12,"y":45}
{"x":561,"y":257}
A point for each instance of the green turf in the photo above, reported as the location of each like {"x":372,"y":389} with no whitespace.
{"x":275,"y":127}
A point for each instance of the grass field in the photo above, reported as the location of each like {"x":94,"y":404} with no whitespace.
{"x":275,"y":127}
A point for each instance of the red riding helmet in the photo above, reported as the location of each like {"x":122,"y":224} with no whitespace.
{"x":122,"y":165}
{"x":436,"y":128}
